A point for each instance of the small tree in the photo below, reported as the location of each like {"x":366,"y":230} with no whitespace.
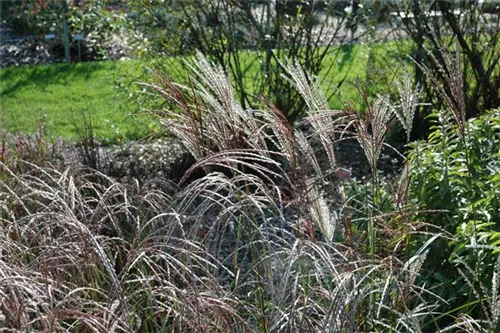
{"x":440,"y":27}
{"x":277,"y":30}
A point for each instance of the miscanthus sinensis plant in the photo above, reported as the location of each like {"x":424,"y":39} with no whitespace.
{"x":80,"y":252}
{"x":256,"y":237}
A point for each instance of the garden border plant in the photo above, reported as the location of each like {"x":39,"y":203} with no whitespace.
{"x":252,"y":244}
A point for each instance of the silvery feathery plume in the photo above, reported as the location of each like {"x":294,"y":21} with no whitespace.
{"x":408,"y":103}
{"x":321,"y":118}
{"x":450,"y":89}
{"x":372,"y":128}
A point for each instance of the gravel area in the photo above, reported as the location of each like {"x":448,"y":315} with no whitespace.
{"x":163,"y":158}
{"x":22,"y":50}
{"x":167,"y":158}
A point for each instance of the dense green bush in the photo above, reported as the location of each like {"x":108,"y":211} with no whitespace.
{"x":455,"y":184}
{"x":33,"y":17}
{"x":459,"y":174}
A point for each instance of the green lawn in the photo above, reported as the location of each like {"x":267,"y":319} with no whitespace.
{"x":59,"y":95}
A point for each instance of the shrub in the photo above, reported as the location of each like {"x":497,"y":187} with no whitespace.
{"x":443,"y":27}
{"x":91,"y":19}
{"x":455,"y":178}
{"x":223,"y":31}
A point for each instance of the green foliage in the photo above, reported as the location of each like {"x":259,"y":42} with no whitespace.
{"x":455,"y":182}
{"x":34,"y":17}
{"x":98,"y":23}
{"x":161,"y":27}
{"x":458,"y":174}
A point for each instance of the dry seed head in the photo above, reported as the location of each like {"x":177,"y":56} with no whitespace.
{"x":408,"y":103}
{"x":451,"y":91}
{"x":373,"y":127}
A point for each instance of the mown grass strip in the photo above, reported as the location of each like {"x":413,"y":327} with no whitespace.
{"x":58,"y":96}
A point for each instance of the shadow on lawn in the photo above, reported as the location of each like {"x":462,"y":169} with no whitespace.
{"x":45,"y":75}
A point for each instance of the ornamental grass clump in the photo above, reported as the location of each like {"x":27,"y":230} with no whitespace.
{"x":273,"y":176}
{"x":259,"y":235}
{"x":81,"y":252}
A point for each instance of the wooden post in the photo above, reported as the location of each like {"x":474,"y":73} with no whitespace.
{"x":66,"y":32}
